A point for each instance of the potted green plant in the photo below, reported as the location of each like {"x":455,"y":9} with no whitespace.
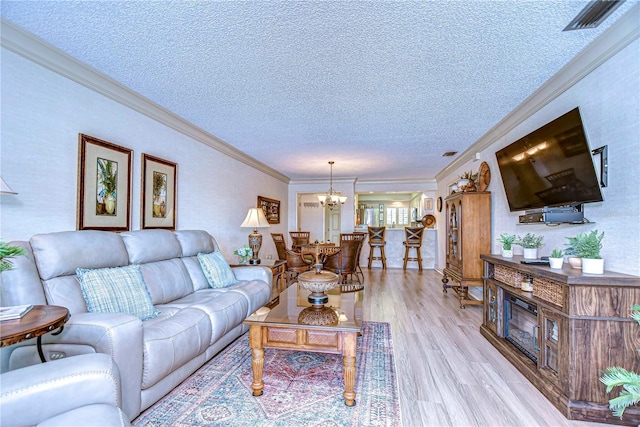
{"x":571,"y":250}
{"x":589,"y":251}
{"x":556,"y":259}
{"x":507,"y":241}
{"x":6,"y":252}
{"x":530,"y":243}
{"x":616,"y":376}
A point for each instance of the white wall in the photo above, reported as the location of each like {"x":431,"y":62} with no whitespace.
{"x":42,"y":114}
{"x":609,"y":101}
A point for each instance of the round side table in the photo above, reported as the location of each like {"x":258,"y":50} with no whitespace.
{"x":40,"y":320}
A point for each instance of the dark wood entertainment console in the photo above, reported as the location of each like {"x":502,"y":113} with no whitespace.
{"x":581,"y":326}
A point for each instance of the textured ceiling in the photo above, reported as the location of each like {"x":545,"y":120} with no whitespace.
{"x":382,"y":88}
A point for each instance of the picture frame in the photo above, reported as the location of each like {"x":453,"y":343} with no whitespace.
{"x":104,"y":185}
{"x":271,"y":209}
{"x":428,"y":204}
{"x":158,"y":199}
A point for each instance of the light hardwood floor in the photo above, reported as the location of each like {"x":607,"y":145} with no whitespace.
{"x":448,"y":374}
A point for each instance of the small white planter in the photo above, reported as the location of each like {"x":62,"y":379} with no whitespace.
{"x":592,"y":266}
{"x":530,"y":253}
{"x":507,"y":253}
{"x":556,"y":263}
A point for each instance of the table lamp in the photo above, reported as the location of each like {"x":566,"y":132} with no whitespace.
{"x":255,"y":219}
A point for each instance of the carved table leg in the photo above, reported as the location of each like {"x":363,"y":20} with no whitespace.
{"x":349,"y":367}
{"x":257,"y":358}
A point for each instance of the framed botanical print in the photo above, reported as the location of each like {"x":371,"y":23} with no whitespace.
{"x":104,"y":185}
{"x":158,"y":193}
{"x":271,"y":209}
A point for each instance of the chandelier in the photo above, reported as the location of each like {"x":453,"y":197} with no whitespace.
{"x":331,"y":198}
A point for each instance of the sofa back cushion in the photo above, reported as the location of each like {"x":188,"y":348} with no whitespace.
{"x":194,"y":242}
{"x":59,"y":254}
{"x":166,"y":280}
{"x":151,"y":245}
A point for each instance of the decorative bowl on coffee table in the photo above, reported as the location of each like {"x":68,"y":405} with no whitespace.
{"x":318,"y":283}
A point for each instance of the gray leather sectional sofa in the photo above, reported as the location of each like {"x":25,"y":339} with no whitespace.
{"x":195,"y":321}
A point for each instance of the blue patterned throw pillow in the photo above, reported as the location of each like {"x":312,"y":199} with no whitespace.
{"x":116,"y":290}
{"x":216,"y":269}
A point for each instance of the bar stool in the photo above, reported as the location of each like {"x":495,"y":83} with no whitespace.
{"x":413,"y":239}
{"x":376,"y":240}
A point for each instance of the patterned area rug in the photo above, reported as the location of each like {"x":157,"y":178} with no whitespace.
{"x":300,"y":389}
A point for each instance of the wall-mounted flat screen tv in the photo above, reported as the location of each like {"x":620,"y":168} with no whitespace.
{"x":552,"y":166}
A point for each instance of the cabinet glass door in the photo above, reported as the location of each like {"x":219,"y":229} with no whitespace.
{"x":453,"y":243}
{"x":551,"y":330}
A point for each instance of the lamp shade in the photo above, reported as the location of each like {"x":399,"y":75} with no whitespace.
{"x":255,"y":219}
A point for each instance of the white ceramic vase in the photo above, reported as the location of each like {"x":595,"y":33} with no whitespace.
{"x":530,"y":253}
{"x":592,"y":266}
{"x":507,"y":253}
{"x":556,"y":263}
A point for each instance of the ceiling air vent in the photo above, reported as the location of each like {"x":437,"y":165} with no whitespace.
{"x":449,"y":153}
{"x":593,"y":14}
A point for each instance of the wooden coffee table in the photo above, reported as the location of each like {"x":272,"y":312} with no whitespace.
{"x":280,"y":329}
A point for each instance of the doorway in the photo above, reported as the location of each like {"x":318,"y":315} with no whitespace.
{"x":322,"y":223}
{"x":332,"y":224}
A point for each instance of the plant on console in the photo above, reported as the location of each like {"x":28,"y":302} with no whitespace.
{"x":529,"y":241}
{"x":589,"y":245}
{"x":619,"y":377}
{"x":507,"y":240}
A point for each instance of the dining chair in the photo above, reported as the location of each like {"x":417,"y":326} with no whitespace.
{"x":296,"y":263}
{"x":299,"y":238}
{"x":281,"y":245}
{"x":345,"y":263}
{"x":413,"y":240}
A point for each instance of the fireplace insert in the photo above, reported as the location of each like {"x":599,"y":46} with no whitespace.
{"x":521,"y":325}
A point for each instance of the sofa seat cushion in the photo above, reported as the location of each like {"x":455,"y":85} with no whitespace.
{"x":225,"y":310}
{"x":216,"y":269}
{"x":171,"y":340}
{"x":116,"y":290}
{"x":256,"y":292}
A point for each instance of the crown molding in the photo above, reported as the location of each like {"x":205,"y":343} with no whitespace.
{"x":37,"y":50}
{"x":609,"y":43}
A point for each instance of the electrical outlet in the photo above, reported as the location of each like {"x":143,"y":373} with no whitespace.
{"x":56,"y":355}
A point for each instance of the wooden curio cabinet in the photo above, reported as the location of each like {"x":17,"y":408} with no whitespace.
{"x":468,"y":234}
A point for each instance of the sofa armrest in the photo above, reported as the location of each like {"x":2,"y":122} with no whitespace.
{"x":37,"y":393}
{"x":117,"y":335}
{"x":254,"y":273}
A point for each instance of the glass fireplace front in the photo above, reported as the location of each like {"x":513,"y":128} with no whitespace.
{"x":521,"y":325}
